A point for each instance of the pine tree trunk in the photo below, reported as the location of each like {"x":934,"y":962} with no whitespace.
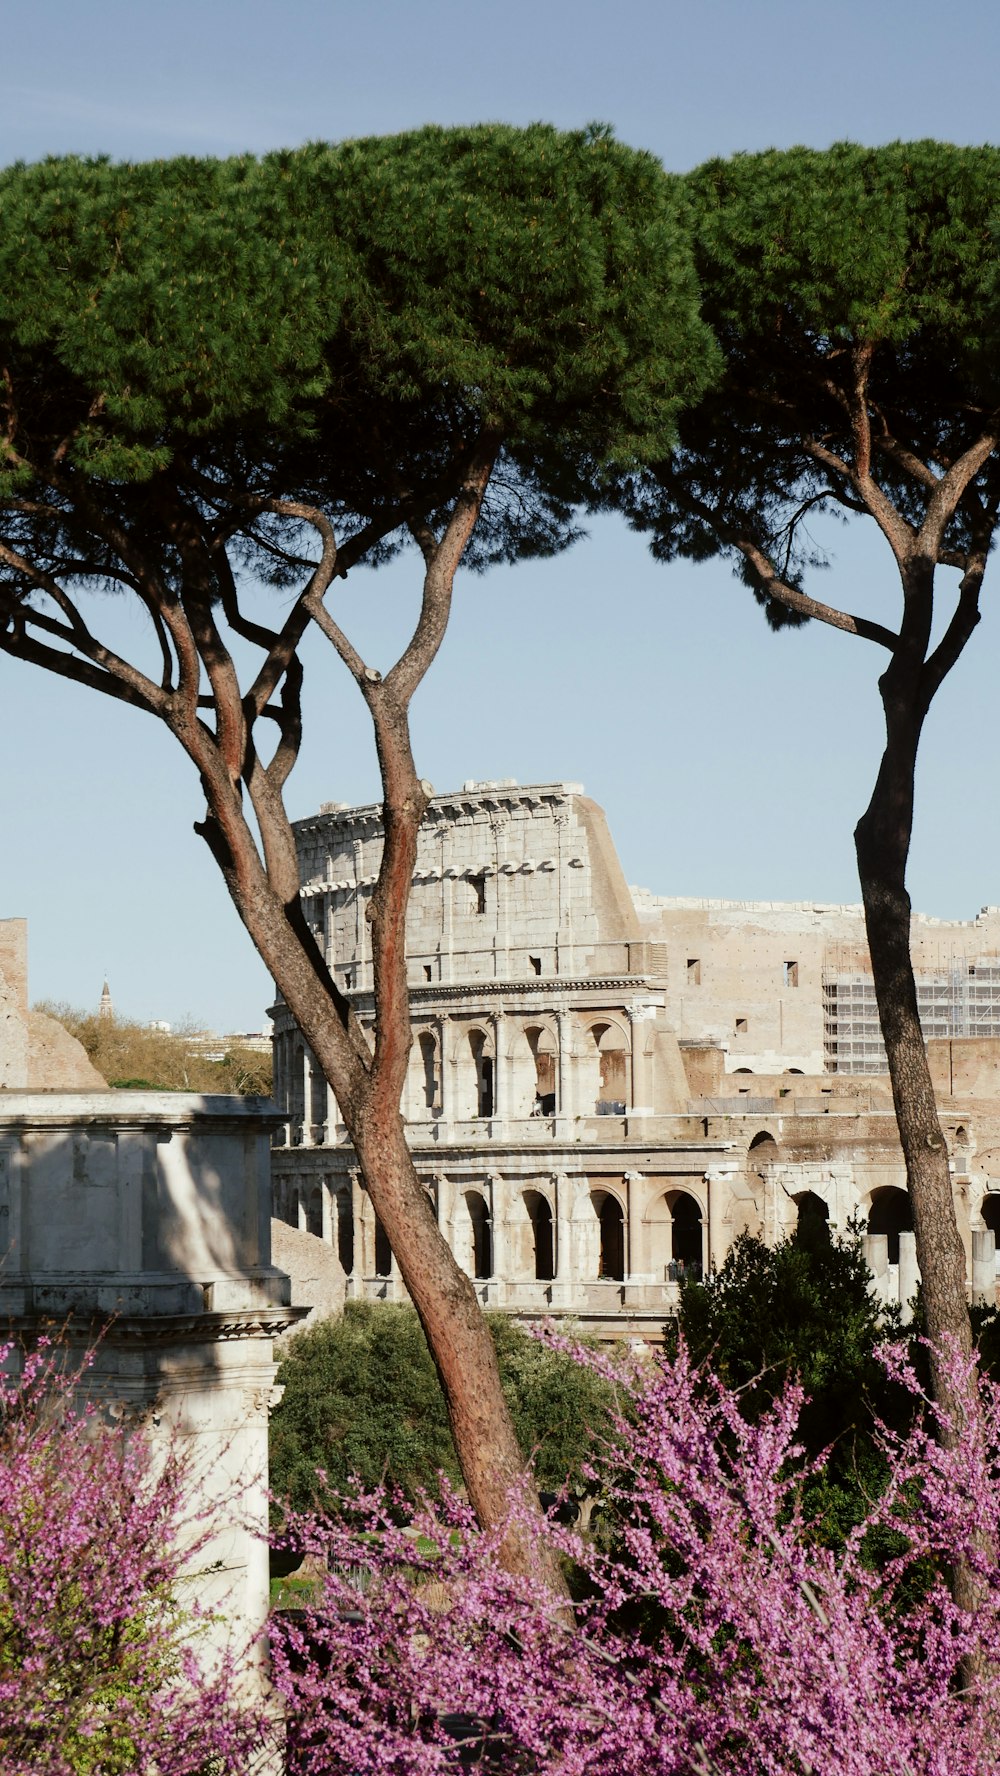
{"x":882,"y":840}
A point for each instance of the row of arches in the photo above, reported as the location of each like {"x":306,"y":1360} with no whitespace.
{"x":680,"y":1215}
{"x":676,"y":1221}
{"x":529,"y":1061}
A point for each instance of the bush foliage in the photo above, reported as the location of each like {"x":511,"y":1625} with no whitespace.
{"x":362,"y":1400}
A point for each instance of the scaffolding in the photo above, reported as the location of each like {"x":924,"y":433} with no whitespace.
{"x":960,"y":1000}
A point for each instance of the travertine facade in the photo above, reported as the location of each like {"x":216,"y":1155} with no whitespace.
{"x":787,"y":985}
{"x":573,"y":1101}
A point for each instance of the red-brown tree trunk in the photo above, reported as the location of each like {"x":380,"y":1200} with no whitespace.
{"x":882,"y":840}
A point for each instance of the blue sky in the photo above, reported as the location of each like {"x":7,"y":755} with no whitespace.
{"x":730,"y":761}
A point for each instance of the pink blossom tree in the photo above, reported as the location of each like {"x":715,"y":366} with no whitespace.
{"x":103,"y":1670}
{"x":720,"y":1637}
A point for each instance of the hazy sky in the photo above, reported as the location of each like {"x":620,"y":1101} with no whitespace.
{"x":730,"y":761}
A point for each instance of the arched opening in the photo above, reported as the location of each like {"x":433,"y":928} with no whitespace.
{"x":892,"y":1215}
{"x":961,"y":1136}
{"x":429,"y":1070}
{"x":383,"y":1251}
{"x":540,"y":1216}
{"x":686,"y":1235}
{"x":812,"y":1226}
{"x":345,"y":1232}
{"x":762,"y":1151}
{"x":483,"y":1064}
{"x":742,"y":1069}
{"x":314,"y":1211}
{"x":482,"y":1234}
{"x":612,"y":1065}
{"x":542,"y":1044}
{"x":611,"y":1258}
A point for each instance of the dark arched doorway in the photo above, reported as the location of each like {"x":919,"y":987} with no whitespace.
{"x":383,"y":1251}
{"x":611,"y":1261}
{"x":540,"y":1216}
{"x":812,"y":1227}
{"x":686,"y":1235}
{"x":892,"y":1215}
{"x":345,"y":1232}
{"x":482,"y":1234}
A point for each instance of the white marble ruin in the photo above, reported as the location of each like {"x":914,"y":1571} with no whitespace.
{"x":142,"y":1220}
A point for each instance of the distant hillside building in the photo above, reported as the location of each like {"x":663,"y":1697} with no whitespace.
{"x":578,"y":1102}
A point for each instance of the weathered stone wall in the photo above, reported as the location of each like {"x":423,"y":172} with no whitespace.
{"x":310,"y":1262}
{"x":36,"y":1052}
{"x":747,"y":976}
{"x":508,"y":883}
{"x":144,"y":1218}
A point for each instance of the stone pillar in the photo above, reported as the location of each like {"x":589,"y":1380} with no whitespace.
{"x":876,"y":1251}
{"x":909,"y":1275}
{"x":332,"y":1117}
{"x":354,"y":1287}
{"x":984,"y":1267}
{"x":716,"y":1181}
{"x":562,"y":1257}
{"x":501,"y":1082}
{"x":636,"y":1266}
{"x":448,"y":920}
{"x":640,"y":1017}
{"x":566,"y":1099}
{"x":305,"y":1133}
{"x":360,"y":907}
{"x":496,"y":1196}
{"x":444,"y":1063}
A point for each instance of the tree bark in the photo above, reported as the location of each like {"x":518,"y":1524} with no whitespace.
{"x":882,"y":842}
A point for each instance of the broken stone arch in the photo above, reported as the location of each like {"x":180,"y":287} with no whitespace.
{"x":606,"y":1052}
{"x":542,"y":1042}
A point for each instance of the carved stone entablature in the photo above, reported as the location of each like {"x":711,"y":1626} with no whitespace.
{"x":456,"y":991}
{"x":161,"y":1329}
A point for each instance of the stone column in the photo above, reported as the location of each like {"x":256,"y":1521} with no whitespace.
{"x":635,"y":1258}
{"x":501,"y":1082}
{"x":984,"y":1269}
{"x":566,"y":1099}
{"x":305,"y":1127}
{"x":719,"y":1181}
{"x":909,"y":1275}
{"x":496,"y":1196}
{"x":332,"y":1117}
{"x":444,"y":1065}
{"x":642,"y":1086}
{"x":354,"y":1282}
{"x":876,"y":1251}
{"x":563,"y":1257}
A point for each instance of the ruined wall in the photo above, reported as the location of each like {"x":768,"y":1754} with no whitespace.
{"x":36,"y":1052}
{"x":748,"y":976}
{"x":509,"y":882}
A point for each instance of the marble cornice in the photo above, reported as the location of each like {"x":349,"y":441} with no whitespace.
{"x":185,"y":1328}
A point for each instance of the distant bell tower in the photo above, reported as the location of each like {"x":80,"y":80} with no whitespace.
{"x":106,"y":1008}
